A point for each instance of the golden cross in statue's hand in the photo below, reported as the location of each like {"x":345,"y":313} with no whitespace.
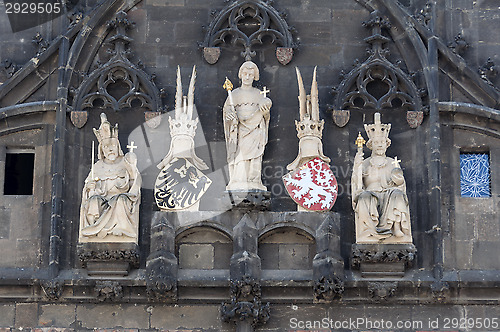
{"x":265,"y":92}
{"x":396,"y":161}
{"x":131,"y":147}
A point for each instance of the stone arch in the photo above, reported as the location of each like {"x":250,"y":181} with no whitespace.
{"x":203,"y":248}
{"x":287,"y":248}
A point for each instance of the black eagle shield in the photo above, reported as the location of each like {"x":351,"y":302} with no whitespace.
{"x":180,"y":185}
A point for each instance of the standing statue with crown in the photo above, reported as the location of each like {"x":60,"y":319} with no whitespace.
{"x":311,"y":183}
{"x":379,"y":191}
{"x":181,"y":184}
{"x":112,"y":192}
{"x":246,"y":121}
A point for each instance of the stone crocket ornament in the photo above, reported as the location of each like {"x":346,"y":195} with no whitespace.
{"x":112,"y":192}
{"x":379,"y":199}
{"x":246,"y":115}
{"x":181,"y":184}
{"x":311,"y":183}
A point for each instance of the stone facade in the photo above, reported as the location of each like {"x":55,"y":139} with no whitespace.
{"x":272,"y":267}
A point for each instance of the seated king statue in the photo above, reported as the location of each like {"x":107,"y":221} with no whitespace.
{"x":112,"y":192}
{"x":382,"y":213}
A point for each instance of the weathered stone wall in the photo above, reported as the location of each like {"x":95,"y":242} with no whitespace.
{"x":331,"y":36}
{"x":197,"y":318}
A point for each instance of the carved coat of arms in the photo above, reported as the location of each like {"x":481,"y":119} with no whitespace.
{"x":313,"y":186}
{"x":180,"y":185}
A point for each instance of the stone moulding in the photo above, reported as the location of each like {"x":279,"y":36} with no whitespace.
{"x":377,"y":83}
{"x":246,"y":23}
{"x":108,"y":255}
{"x":384,"y":253}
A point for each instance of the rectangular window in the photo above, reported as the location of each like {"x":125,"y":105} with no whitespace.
{"x":475,"y":175}
{"x":19,"y":170}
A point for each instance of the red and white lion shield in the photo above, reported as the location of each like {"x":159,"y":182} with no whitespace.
{"x":313,"y":186}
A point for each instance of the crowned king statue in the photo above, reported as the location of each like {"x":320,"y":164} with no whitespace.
{"x":112,"y":192}
{"x":382,"y":213}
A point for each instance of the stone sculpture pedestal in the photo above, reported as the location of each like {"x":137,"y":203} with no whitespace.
{"x":108,"y":259}
{"x":253,"y":199}
{"x":382,"y":260}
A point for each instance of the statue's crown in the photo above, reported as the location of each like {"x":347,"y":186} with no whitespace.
{"x":182,"y":126}
{"x":309,"y":127}
{"x":377,"y":129}
{"x":106,"y":130}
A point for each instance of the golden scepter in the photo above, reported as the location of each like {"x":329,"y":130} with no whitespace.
{"x":360,"y":141}
{"x":228,"y":86}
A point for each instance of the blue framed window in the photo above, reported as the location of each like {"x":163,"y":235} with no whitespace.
{"x":475,"y":175}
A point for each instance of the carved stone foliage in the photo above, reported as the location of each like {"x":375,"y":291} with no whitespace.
{"x":488,"y":71}
{"x":328,"y":288}
{"x":52,"y":289}
{"x":118,"y":84}
{"x":459,"y":45}
{"x":440,"y":291}
{"x":376,"y":84}
{"x":128,"y":255}
{"x":382,"y":291}
{"x":108,"y":290}
{"x":10,"y":67}
{"x":364,"y":254}
{"x":248,"y":24}
{"x":245,"y":303}
{"x":161,"y":287}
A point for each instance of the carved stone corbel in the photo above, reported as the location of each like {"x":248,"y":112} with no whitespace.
{"x":52,"y":289}
{"x":106,"y":290}
{"x":245,"y":306}
{"x":382,"y":291}
{"x":440,"y":291}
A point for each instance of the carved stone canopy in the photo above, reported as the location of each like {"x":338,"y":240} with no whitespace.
{"x":248,"y":24}
{"x":117,"y":84}
{"x":377,"y":83}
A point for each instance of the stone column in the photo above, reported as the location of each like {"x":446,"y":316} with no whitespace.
{"x":161,"y":265}
{"x":245,"y":309}
{"x":328,"y":266}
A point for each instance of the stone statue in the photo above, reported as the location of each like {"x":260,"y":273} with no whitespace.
{"x":181,"y":184}
{"x":112,"y":192}
{"x":379,"y":191}
{"x":246,"y":122}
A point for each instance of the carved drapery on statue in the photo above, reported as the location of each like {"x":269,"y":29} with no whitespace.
{"x":99,"y":89}
{"x":379,"y":197}
{"x":246,"y":24}
{"x":181,"y":184}
{"x":112,"y":192}
{"x":377,"y":83}
{"x":246,"y":115}
{"x":311,"y":182}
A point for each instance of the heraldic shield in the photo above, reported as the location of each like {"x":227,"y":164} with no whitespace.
{"x":180,"y":185}
{"x":312,"y":186}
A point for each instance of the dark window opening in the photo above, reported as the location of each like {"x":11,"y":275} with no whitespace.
{"x":19,"y":169}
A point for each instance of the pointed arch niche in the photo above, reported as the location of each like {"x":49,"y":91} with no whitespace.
{"x":118,"y":84}
{"x":377,"y":84}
